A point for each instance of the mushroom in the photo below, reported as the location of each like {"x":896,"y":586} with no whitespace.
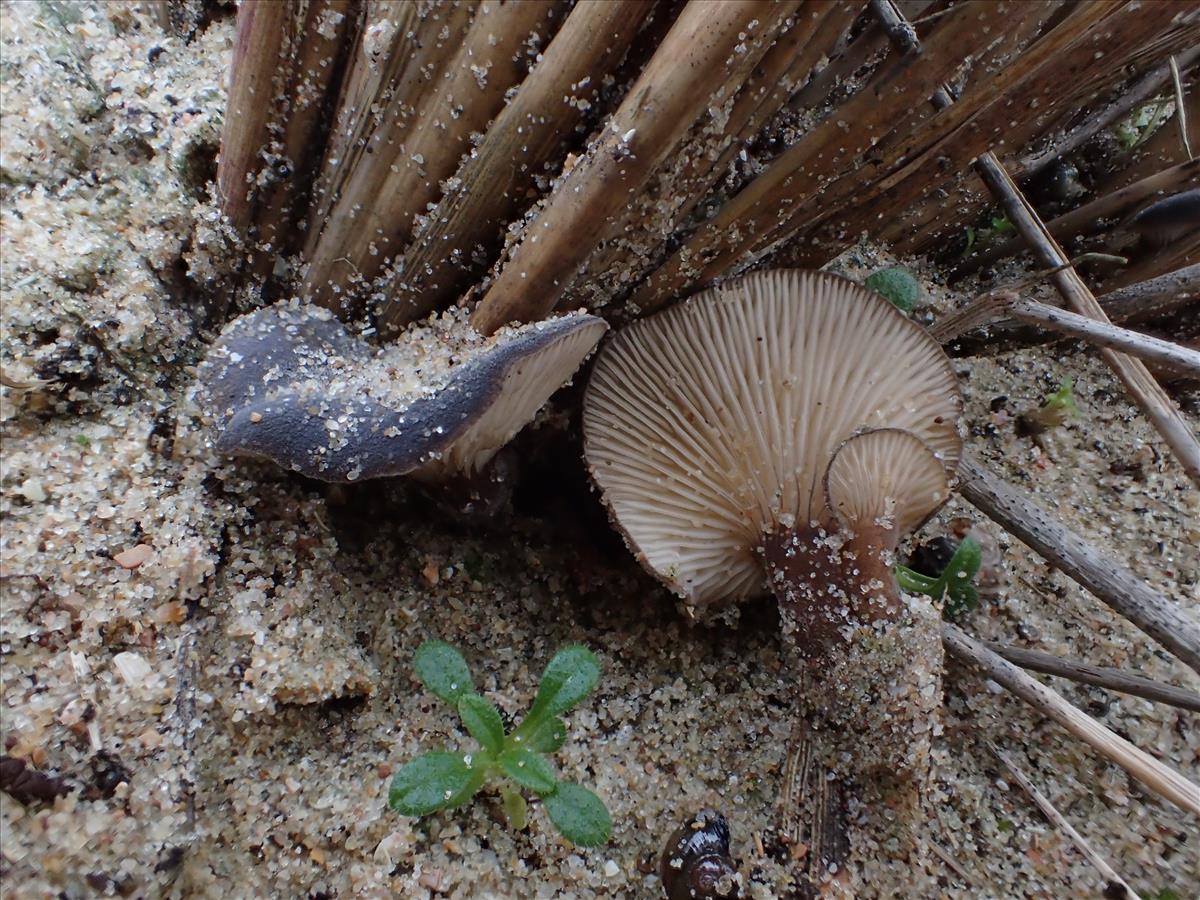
{"x":782,"y":433}
{"x":288,"y":383}
{"x":713,"y":430}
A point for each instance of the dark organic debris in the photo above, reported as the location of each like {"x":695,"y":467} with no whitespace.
{"x":280,"y":384}
{"x":26,"y":784}
{"x":1171,"y":217}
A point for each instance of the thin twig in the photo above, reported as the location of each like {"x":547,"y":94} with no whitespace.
{"x":1157,"y":776}
{"x":1180,"y":108}
{"x":1100,"y":676}
{"x":1115,"y":585}
{"x":986,"y":307}
{"x":1047,"y":808}
{"x":1165,"y":353}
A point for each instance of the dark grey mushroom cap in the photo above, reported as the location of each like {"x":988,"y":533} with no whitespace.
{"x":271,"y":385}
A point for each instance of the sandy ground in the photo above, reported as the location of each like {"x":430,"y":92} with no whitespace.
{"x":214,"y":657}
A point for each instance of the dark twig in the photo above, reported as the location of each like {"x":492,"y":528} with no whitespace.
{"x":1099,"y":676}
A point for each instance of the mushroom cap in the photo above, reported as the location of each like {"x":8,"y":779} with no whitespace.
{"x":288,"y":383}
{"x":887,"y":478}
{"x":714,"y":422}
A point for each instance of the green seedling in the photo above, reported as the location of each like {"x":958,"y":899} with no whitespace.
{"x":1055,"y":411}
{"x":897,"y":285}
{"x":956,"y":583}
{"x":516,"y":760}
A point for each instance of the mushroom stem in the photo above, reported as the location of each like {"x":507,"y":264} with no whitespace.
{"x":825,"y":578}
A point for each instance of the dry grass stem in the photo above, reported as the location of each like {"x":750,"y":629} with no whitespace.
{"x":1091,"y":567}
{"x":316,"y":48}
{"x":1158,"y":777}
{"x":1110,"y":875}
{"x":689,"y":66}
{"x":1099,"y":676}
{"x":261,"y":27}
{"x":1180,"y":108}
{"x":365,"y":232}
{"x":494,"y":183}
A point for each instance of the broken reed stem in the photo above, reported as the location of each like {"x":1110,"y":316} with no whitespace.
{"x":1091,"y":216}
{"x":492,"y":186}
{"x":1160,"y":778}
{"x":630,"y":248}
{"x":374,"y":219}
{"x":1180,"y":108}
{"x":688,"y":67}
{"x":1129,"y":99}
{"x":1112,"y":583}
{"x":1165,"y":353}
{"x":798,"y":178}
{"x":1110,"y":875}
{"x":316,"y":49}
{"x":261,"y":29}
{"x":1099,"y":676}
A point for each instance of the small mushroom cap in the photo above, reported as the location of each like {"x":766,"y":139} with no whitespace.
{"x":714,"y":422}
{"x":285,"y":383}
{"x":888,"y":478}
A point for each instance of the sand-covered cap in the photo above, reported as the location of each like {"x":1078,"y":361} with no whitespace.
{"x":887,"y":478}
{"x":716,"y":422}
{"x":288,"y":383}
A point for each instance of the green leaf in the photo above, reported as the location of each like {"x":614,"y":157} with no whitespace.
{"x":443,"y":671}
{"x":528,"y":769}
{"x":1063,"y":400}
{"x":483,"y":721}
{"x":434,"y":781}
{"x":546,"y":735}
{"x":955,"y":583}
{"x":579,"y":815}
{"x":897,"y":285}
{"x":568,"y":678}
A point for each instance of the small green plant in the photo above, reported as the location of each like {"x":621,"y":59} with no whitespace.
{"x":83,"y":441}
{"x":898,"y":285}
{"x":1062,"y":401}
{"x":1055,"y":411}
{"x":443,"y":780}
{"x":956,"y":583}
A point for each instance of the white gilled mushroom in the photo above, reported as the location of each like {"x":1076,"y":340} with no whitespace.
{"x":711,"y":429}
{"x":783,"y":432}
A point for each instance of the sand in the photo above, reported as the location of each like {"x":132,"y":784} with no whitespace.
{"x":215,"y":656}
